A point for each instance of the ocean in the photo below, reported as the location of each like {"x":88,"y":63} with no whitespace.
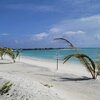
{"x":60,"y":54}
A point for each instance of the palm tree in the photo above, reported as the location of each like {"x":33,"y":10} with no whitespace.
{"x":2,"y":52}
{"x":13,"y":54}
{"x":86,"y":60}
{"x":9,"y":52}
{"x":68,"y":43}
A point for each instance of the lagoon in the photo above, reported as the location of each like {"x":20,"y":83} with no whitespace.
{"x":60,"y":53}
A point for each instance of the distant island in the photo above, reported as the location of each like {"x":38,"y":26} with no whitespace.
{"x":41,"y":48}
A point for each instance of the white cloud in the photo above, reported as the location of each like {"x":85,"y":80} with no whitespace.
{"x":39,"y":36}
{"x":89,"y":25}
{"x":55,"y":30}
{"x":82,"y":32}
{"x":79,"y":32}
{"x":95,"y":18}
{"x":4,"y":34}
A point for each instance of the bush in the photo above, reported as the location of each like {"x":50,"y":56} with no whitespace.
{"x":5,"y":88}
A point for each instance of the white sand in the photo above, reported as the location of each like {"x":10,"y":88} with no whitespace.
{"x":26,"y":89}
{"x":70,"y":82}
{"x":78,"y":69}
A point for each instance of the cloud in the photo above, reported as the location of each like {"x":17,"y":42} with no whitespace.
{"x":83,"y":32}
{"x":80,"y":25}
{"x":79,"y":32}
{"x":55,"y":30}
{"x":4,"y":34}
{"x":94,"y":18}
{"x":39,"y":36}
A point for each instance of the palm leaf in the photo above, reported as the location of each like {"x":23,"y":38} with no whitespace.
{"x":86,"y":60}
{"x":88,"y":65}
{"x":17,"y":53}
{"x":66,"y":41}
{"x":11,"y":54}
{"x":2,"y":52}
{"x":89,"y":60}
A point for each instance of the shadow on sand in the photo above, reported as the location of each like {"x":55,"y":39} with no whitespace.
{"x":6,"y":62}
{"x":62,"y":78}
{"x":73,"y":79}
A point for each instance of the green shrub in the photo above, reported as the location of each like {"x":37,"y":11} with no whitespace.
{"x":5,"y":88}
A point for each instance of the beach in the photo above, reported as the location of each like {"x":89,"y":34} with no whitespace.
{"x":37,"y":78}
{"x":49,"y":49}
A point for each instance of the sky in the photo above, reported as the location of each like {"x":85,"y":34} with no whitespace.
{"x":35,"y":23}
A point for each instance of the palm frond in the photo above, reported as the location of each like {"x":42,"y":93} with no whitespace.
{"x":9,"y":52}
{"x":2,"y":52}
{"x":89,"y":60}
{"x":86,"y":60}
{"x":17,"y":53}
{"x":68,"y":57}
{"x":11,"y":55}
{"x":67,"y":41}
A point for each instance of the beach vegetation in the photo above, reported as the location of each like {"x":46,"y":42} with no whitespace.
{"x":83,"y":58}
{"x":13,"y":54}
{"x":98,"y":64}
{"x":5,"y":88}
{"x":86,"y":60}
{"x":98,"y":67}
{"x":10,"y":52}
{"x":66,"y":41}
{"x":47,"y":85}
{"x":2,"y":52}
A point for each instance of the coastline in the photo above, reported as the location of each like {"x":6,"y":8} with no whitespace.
{"x":70,"y":82}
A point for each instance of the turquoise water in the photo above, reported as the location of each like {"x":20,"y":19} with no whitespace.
{"x":53,"y":54}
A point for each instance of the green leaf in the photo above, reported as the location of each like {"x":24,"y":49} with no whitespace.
{"x":86,"y":60}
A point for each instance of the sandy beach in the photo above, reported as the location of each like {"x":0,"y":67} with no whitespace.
{"x":34,"y":79}
{"x":49,"y":49}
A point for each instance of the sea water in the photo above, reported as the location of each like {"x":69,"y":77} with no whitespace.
{"x":60,"y":53}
